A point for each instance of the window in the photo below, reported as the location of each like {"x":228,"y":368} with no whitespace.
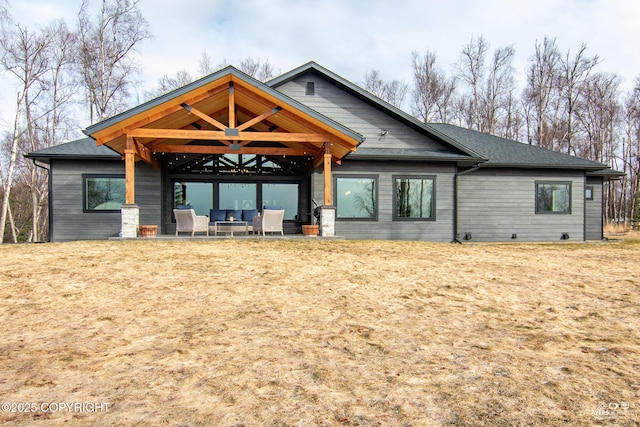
{"x":198,"y":195}
{"x":241,"y":195}
{"x":283,"y":195}
{"x":414,"y":198}
{"x":356,"y":197}
{"x":103,"y":193}
{"x":553,"y":197}
{"x":588,"y":193}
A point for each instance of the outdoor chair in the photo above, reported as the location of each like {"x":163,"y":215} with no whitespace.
{"x":269,"y":222}
{"x":188,"y":222}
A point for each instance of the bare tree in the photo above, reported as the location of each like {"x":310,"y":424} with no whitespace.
{"x":205,"y":65}
{"x":432,"y":95}
{"x":50,"y":118}
{"x":392,"y":92}
{"x":24,"y":55}
{"x":631,"y":154}
{"x":168,"y":83}
{"x":541,"y":92}
{"x":488,"y":103}
{"x":471,"y":71}
{"x":600,"y":118}
{"x":257,"y":69}
{"x":574,"y":72}
{"x":514,"y":118}
{"x":497,"y":106}
{"x":106,"y":47}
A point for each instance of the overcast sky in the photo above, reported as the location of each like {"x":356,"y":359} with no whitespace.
{"x":353,"y":37}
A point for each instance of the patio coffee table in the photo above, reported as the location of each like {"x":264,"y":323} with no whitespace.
{"x":230,"y":227}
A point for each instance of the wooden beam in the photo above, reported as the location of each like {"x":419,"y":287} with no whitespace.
{"x":218,"y":149}
{"x":258,"y":119}
{"x":328,"y":198}
{"x":203,"y":116}
{"x":160,"y":114}
{"x":318,"y":159}
{"x":295,"y":117}
{"x":211,"y":135}
{"x":265,"y":124}
{"x":130,"y":175}
{"x":328,"y":136}
{"x":145,"y":154}
{"x":232,"y":106}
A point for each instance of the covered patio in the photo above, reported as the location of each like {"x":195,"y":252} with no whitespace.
{"x":227,"y":129}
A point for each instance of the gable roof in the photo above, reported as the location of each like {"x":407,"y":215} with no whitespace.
{"x":474,"y":147}
{"x":222,"y":109}
{"x":458,"y":152}
{"x":466,"y":147}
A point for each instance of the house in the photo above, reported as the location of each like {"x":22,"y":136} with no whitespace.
{"x":309,"y":136}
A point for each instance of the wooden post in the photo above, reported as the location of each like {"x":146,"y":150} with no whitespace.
{"x":232,"y":106}
{"x":328,"y":199}
{"x":129,"y":167}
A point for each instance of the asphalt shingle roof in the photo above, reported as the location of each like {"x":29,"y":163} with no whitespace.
{"x":466,"y":146}
{"x":84,"y":148}
{"x":501,"y":152}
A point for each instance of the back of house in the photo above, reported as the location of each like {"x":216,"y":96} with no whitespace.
{"x":309,"y":137}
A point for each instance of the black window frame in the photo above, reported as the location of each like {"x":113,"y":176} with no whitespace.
{"x":376,"y":179}
{"x":588,"y":192}
{"x":551,"y":212}
{"x":394,"y":179}
{"x":259,"y":191}
{"x":86,"y":176}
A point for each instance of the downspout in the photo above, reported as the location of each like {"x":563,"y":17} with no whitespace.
{"x":455,"y":199}
{"x":49,"y":198}
{"x":584,"y":208}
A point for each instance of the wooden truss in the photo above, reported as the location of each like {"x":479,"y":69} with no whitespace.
{"x":227,"y":116}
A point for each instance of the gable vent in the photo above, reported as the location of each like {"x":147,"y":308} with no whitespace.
{"x":311,"y":88}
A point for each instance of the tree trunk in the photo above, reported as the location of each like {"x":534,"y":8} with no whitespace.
{"x":12,"y":166}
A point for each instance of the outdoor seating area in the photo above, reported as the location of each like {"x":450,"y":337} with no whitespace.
{"x":188,"y":222}
{"x":269,"y":222}
{"x":231,"y":220}
{"x":230,"y":223}
{"x":243,"y":224}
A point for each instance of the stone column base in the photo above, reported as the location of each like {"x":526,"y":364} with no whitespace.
{"x":327,"y":220}
{"x":130,"y":220}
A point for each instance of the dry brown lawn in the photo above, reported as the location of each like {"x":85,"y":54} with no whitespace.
{"x":320,"y":333}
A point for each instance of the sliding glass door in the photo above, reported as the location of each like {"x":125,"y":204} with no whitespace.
{"x":203,"y":196}
{"x":237,"y":196}
{"x":198,"y":195}
{"x":283,"y":195}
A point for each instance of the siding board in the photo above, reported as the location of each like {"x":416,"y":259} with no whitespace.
{"x":593,"y":211}
{"x":357,"y":115}
{"x":68,"y":220}
{"x":493,"y":207}
{"x":440,"y":230}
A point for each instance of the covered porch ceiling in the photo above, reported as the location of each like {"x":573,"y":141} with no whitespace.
{"x":225,"y":113}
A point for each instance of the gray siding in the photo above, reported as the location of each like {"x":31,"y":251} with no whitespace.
{"x":440,"y":230}
{"x":593,"y":211}
{"x":68,"y":220}
{"x":357,"y":115}
{"x":495,"y":204}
